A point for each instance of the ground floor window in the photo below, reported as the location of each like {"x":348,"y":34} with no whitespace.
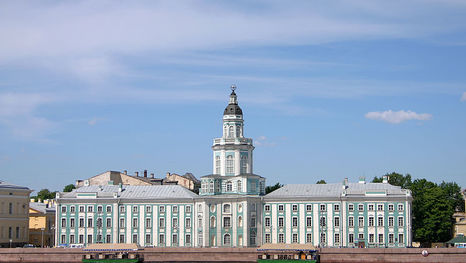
{"x":187,"y":239}
{"x":281,"y":238}
{"x":391,"y":238}
{"x":351,"y":238}
{"x":323,"y":238}
{"x":337,"y":238}
{"x":147,"y":238}
{"x":108,"y":238}
{"x":308,"y":238}
{"x":226,"y":239}
{"x":267,"y":238}
{"x":401,"y":238}
{"x":380,"y":238}
{"x":122,"y":238}
{"x":89,"y":239}
{"x":63,"y":239}
{"x":162,"y":239}
{"x":135,"y":238}
{"x":72,"y":239}
{"x":371,"y":238}
{"x":81,"y":239}
{"x":174,"y":239}
{"x":295,"y":238}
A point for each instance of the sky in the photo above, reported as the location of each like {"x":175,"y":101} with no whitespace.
{"x":329,"y":89}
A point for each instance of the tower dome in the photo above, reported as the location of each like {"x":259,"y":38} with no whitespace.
{"x":233,"y":107}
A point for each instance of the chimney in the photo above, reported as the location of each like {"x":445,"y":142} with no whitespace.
{"x":125,"y":172}
{"x":362,"y":180}
{"x":151,"y":175}
{"x":136,"y":174}
{"x":145,"y":173}
{"x":345,"y":183}
{"x":385,"y":179}
{"x":168,"y":174}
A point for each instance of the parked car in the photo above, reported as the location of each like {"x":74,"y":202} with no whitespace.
{"x":28,"y":246}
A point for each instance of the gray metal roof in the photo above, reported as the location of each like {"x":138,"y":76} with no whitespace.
{"x":135,"y":191}
{"x":332,"y":190}
{"x":4,"y":184}
{"x":41,"y":207}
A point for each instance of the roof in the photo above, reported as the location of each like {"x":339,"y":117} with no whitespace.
{"x":333,"y":190}
{"x":190,"y":176}
{"x":457,"y":239}
{"x":41,"y":207}
{"x":233,"y":108}
{"x":135,"y":192}
{"x":6,"y":185}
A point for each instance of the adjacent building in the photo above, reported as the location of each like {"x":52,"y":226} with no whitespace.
{"x":42,"y":223}
{"x":460,"y":220}
{"x":232,"y":209}
{"x":14,"y":218}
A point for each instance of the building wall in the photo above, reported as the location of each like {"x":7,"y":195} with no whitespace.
{"x":14,"y":206}
{"x":41,"y":226}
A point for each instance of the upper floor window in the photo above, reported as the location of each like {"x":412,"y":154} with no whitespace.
{"x":72,"y":209}
{"x":100,"y":209}
{"x":122,"y":209}
{"x":308,"y":208}
{"x":267,"y":208}
{"x":351,"y":207}
{"x":391,"y":207}
{"x":175,"y":209}
{"x":81,"y":209}
{"x":90,"y":209}
{"x":135,"y":209}
{"x":217,"y":164}
{"x":244,"y":164}
{"x":371,"y":208}
{"x":336,"y":207}
{"x":322,"y":208}
{"x":230,"y":131}
{"x":295,"y":208}
{"x":188,"y":209}
{"x":229,"y":187}
{"x":148,"y":209}
{"x":379,"y":207}
{"x":63,"y":209}
{"x":239,"y":186}
{"x":227,"y":208}
{"x":360,"y":207}
{"x":280,"y":208}
{"x":109,"y":209}
{"x":400,"y":207}
{"x":230,"y":168}
{"x":162,"y":209}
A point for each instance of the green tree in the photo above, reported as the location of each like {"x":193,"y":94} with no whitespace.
{"x":69,"y":188}
{"x":272,"y":188}
{"x":322,"y":181}
{"x":45,"y":194}
{"x":396,"y":179}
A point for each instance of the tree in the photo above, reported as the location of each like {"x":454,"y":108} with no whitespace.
{"x":396,"y":179}
{"x":69,"y":188}
{"x":272,"y":188}
{"x":322,"y":181}
{"x":45,"y":194}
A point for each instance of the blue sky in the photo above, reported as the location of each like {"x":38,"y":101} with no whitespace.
{"x":329,"y":89}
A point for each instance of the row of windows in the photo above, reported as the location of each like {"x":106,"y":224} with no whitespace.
{"x":14,"y":209}
{"x":108,"y":221}
{"x":336,"y":238}
{"x":336,"y":207}
{"x":16,"y":233}
{"x":336,"y":221}
{"x":108,"y":239}
{"x":227,"y":221}
{"x":108,"y":209}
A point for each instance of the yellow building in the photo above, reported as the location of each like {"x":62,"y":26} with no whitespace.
{"x":460,"y":221}
{"x":14,"y":218}
{"x":41,"y":223}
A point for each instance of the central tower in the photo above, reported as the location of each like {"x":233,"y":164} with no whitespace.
{"x":232,"y":171}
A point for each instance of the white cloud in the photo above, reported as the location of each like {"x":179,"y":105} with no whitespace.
{"x":396,"y":117}
{"x":263,"y":141}
{"x":463,"y":98}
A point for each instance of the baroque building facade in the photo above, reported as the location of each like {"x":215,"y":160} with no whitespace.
{"x":232,"y":209}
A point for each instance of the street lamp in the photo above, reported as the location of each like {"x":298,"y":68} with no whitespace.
{"x":11,"y":240}
{"x":42,"y":229}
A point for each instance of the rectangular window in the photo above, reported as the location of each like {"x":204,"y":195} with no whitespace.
{"x":400,"y":221}
{"x":122,"y":223}
{"x":401,"y":239}
{"x":162,"y":209}
{"x":99,"y":238}
{"x":351,"y":207}
{"x":148,"y":209}
{"x":147,"y":238}
{"x":162,"y":222}
{"x":100,"y":209}
{"x":280,"y":222}
{"x":253,"y":222}
{"x":108,"y":209}
{"x":109,"y":222}
{"x":188,"y":209}
{"x":371,"y":208}
{"x":71,"y":222}
{"x":308,"y":221}
{"x":81,"y":239}
{"x":308,"y":208}
{"x":351,"y":238}
{"x":336,"y":221}
{"x":308,"y":238}
{"x":174,"y":239}
{"x":267,"y":238}
{"x":187,"y":239}
{"x":135,"y":222}
{"x":294,"y":238}
{"x":175,"y":222}
{"x":135,"y":238}
{"x":63,"y":239}
{"x":10,"y":208}
{"x":337,"y":238}
{"x":380,"y":238}
{"x":108,"y":238}
{"x":226,"y":221}
{"x":336,"y":207}
{"x":267,"y":222}
{"x":371,"y":221}
{"x":323,"y":238}
{"x":122,"y":238}
{"x":122,"y":209}
{"x":148,"y":223}
{"x":400,"y":207}
{"x":322,"y":207}
{"x":135,"y":208}
{"x":391,"y":238}
{"x":90,"y":208}
{"x":267,"y":208}
{"x":10,"y":232}
{"x":187,"y":222}
{"x":72,"y":209}
{"x":361,"y":236}
{"x":175,"y":209}
{"x":63,"y":209}
{"x":89,"y":239}
{"x":17,"y":232}
{"x":63,"y":222}
{"x":379,"y":207}
{"x":294,"y":221}
{"x":390,"y":221}
{"x":371,"y":238}
{"x":360,"y":207}
{"x":280,"y":208}
{"x":351,"y":221}
{"x":391,"y":207}
{"x":81,"y":209}
{"x":380,"y":221}
{"x":323,"y":221}
{"x":162,"y":239}
{"x":361,"y":221}
{"x":295,"y":208}
{"x":281,"y":238}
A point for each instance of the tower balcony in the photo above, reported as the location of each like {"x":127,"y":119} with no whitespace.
{"x":239,"y":141}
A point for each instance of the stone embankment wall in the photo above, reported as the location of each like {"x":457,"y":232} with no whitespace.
{"x":392,"y":255}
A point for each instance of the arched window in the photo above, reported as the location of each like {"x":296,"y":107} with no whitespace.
{"x":238,"y":131}
{"x":217,"y":164}
{"x":229,"y":187}
{"x":211,"y":187}
{"x":227,"y":208}
{"x":230,"y":169}
{"x":239,"y":186}
{"x":240,"y":221}
{"x":225,"y":130}
{"x":226,"y":239}
{"x":212,"y":221}
{"x":230,"y":131}
{"x":244,"y":164}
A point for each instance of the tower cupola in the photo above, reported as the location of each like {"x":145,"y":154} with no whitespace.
{"x":233,"y":107}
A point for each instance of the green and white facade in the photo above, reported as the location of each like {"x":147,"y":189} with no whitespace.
{"x":232,"y":209}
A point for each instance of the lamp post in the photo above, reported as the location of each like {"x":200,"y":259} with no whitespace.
{"x":11,"y":240}
{"x":42,"y":229}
